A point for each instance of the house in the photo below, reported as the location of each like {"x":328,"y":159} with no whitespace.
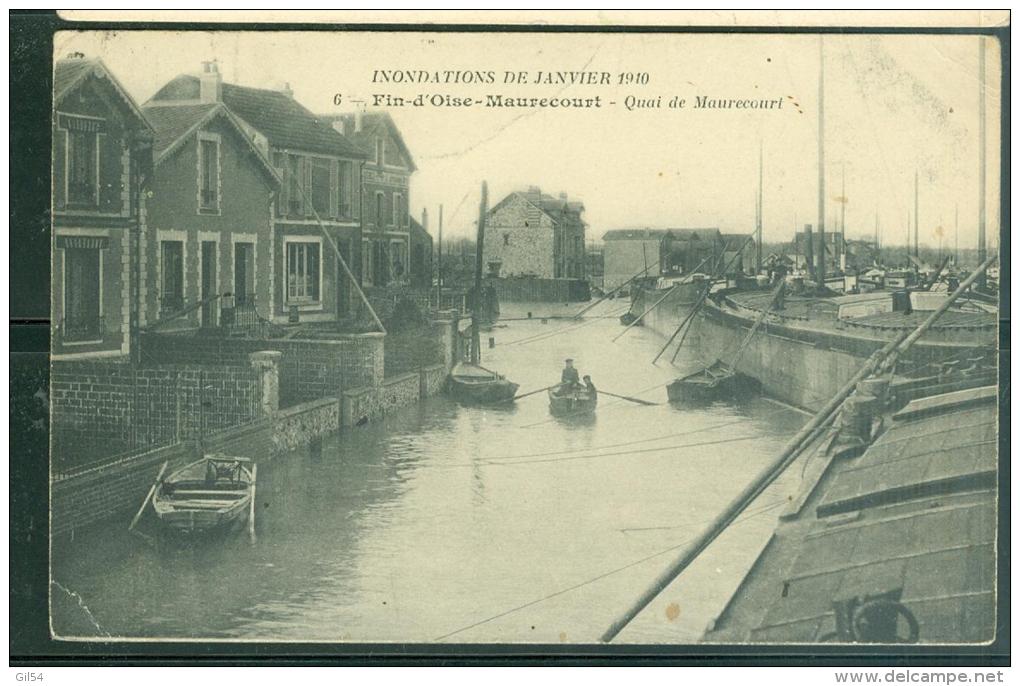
{"x":317,"y":211}
{"x":385,"y":195}
{"x":209,"y":227}
{"x":738,"y":253}
{"x":529,"y":233}
{"x":102,"y":159}
{"x":658,"y":251}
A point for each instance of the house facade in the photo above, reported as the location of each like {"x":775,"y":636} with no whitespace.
{"x":385,"y":194}
{"x":318,"y":205}
{"x":529,"y":233}
{"x":208,"y":244}
{"x":102,"y":158}
{"x":421,"y":255}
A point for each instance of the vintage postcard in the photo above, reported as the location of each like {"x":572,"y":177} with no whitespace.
{"x":423,"y":336}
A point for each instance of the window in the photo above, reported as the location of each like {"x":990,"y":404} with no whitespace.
{"x":208,"y":175}
{"x":302,"y":272}
{"x":321,"y":186}
{"x":82,"y":294}
{"x":398,"y":255}
{"x":82,"y":166}
{"x":244,"y":274}
{"x":366,"y":263}
{"x":506,"y":239}
{"x":172,"y":270}
{"x":380,"y":210}
{"x":346,"y":180}
{"x":295,"y":179}
{"x":399,"y":210}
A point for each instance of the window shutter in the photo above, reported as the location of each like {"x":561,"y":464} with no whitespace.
{"x":284,"y":203}
{"x":334,"y":189}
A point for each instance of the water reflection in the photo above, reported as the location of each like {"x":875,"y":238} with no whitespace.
{"x":481,"y":524}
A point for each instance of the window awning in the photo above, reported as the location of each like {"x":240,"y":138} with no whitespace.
{"x":89,"y":242}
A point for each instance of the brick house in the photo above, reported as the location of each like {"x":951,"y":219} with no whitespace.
{"x":529,"y":233}
{"x":320,"y":173}
{"x":209,"y":225}
{"x":102,"y":156}
{"x":385,"y":193}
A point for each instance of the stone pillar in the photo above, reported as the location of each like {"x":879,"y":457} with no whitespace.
{"x":268,"y":362}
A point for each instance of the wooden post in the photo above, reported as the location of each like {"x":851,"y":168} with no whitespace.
{"x":251,"y":504}
{"x":476,"y":352}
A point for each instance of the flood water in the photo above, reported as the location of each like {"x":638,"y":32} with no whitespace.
{"x":446,"y":523}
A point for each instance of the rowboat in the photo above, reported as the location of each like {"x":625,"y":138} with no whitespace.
{"x":475,"y":385}
{"x":569,"y":399}
{"x":207,"y":494}
{"x":711,"y":383}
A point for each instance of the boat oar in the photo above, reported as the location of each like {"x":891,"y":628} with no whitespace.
{"x":525,"y":395}
{"x":148,"y":497}
{"x":627,"y":397}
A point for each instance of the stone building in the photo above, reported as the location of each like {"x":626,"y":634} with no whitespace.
{"x":209,"y":237}
{"x":318,"y":204}
{"x":102,"y":160}
{"x":529,"y":233}
{"x":385,"y":194}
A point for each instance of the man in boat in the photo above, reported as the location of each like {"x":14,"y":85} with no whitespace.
{"x":590,"y":386}
{"x":569,"y":378}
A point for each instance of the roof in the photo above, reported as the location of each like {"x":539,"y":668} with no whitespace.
{"x":174,"y":125}
{"x":648,"y":233}
{"x":280,"y":118}
{"x":560,"y":210}
{"x":71,"y":72}
{"x":365,"y":138}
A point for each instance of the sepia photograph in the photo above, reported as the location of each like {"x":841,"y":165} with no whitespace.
{"x":479,"y":337}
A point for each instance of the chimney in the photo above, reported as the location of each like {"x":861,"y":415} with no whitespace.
{"x":210,"y":83}
{"x":286,"y":90}
{"x":563,"y":197}
{"x":357,"y":121}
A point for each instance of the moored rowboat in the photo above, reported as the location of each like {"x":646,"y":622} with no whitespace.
{"x":473,"y":384}
{"x":716,"y":381}
{"x":207,"y":494}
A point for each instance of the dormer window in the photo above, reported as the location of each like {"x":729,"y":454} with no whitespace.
{"x":82,"y":158}
{"x":209,"y":183}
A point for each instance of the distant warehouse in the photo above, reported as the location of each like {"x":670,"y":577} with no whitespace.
{"x":669,"y":251}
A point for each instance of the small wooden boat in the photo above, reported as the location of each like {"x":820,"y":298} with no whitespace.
{"x":476,"y":385}
{"x":569,"y":399}
{"x":716,"y":381}
{"x":207,"y":494}
{"x":627,"y":318}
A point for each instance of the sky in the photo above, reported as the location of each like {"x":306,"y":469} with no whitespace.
{"x":894,"y":105}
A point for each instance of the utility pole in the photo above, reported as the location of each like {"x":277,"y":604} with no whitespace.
{"x":761,"y":208}
{"x":917,"y":223}
{"x":982,"y":145}
{"x":821,"y":160}
{"x":956,"y":246}
{"x":439,"y":276}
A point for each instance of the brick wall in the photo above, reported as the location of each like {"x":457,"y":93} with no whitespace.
{"x":100,"y":409}
{"x":310,"y":368}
